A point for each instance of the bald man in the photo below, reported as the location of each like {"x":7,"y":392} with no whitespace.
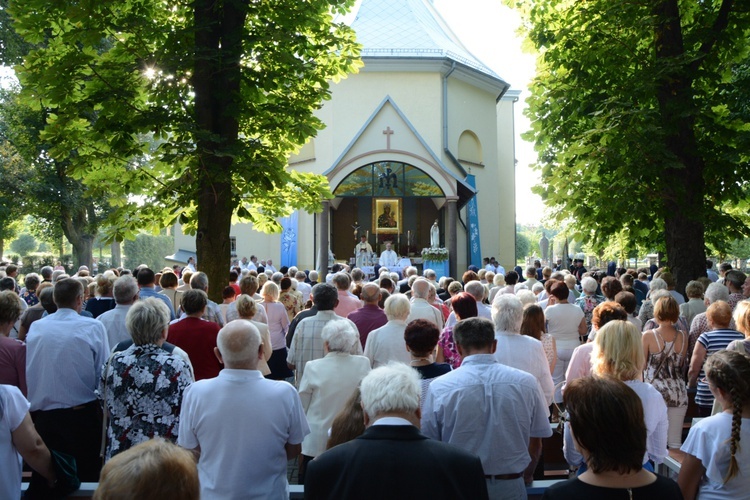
{"x":420,"y":308}
{"x":243,"y":427}
{"x":370,"y":316}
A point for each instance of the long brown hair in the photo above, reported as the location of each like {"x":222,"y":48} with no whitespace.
{"x":349,"y":423}
{"x":533,"y":321}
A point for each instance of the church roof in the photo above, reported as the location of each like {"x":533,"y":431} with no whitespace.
{"x":402,"y":29}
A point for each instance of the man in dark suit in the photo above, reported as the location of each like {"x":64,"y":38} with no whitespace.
{"x":393,"y":459}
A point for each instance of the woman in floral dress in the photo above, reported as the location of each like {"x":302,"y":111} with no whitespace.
{"x":142,"y":386}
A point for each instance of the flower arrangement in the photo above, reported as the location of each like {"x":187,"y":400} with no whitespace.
{"x":435,"y":254}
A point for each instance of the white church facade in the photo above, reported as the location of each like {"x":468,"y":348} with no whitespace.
{"x":424,"y":129}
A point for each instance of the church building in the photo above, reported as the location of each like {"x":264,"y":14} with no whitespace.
{"x":423,"y":133}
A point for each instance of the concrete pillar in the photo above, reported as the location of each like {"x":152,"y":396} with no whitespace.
{"x":451,"y":239}
{"x":323,"y":244}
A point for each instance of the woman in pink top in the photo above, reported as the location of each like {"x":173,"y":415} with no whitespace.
{"x":278,"y":324}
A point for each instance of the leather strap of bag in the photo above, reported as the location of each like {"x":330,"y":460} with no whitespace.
{"x":663,"y":359}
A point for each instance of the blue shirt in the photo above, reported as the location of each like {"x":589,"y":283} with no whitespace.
{"x":147,"y":292}
{"x":65,"y":353}
{"x":488,"y":409}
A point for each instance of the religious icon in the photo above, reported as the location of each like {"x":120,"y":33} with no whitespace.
{"x":387,"y":215}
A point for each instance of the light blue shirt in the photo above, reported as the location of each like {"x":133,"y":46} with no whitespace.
{"x":147,"y":292}
{"x":65,"y":353}
{"x":488,"y":409}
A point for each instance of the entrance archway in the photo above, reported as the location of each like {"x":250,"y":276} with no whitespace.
{"x":411,"y":195}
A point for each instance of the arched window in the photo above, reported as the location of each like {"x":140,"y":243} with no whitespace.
{"x":388,"y":178}
{"x":470,"y":149}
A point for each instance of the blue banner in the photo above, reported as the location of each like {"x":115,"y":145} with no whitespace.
{"x":475,"y":247}
{"x":289,"y":240}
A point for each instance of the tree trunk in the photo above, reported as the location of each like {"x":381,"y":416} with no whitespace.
{"x":83,"y":252}
{"x":116,"y":254}
{"x":216,"y":79}
{"x":212,"y":239}
{"x":683,"y":186}
{"x":2,"y":247}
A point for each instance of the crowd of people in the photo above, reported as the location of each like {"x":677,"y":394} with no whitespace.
{"x":392,"y":384}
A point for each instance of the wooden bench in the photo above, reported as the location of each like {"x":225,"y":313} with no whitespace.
{"x":297,"y":491}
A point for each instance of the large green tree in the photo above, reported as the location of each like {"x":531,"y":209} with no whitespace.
{"x":192,"y":106}
{"x":636,"y":134}
{"x":41,"y":186}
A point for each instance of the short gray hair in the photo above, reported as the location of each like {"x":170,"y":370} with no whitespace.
{"x":313,"y":276}
{"x":589,"y":284}
{"x":342,"y":281}
{"x":341,"y":336}
{"x":199,"y":281}
{"x":238,"y":343}
{"x":277,"y":277}
{"x":125,"y":289}
{"x":658,"y":284}
{"x":194,"y":301}
{"x":420,"y":289}
{"x":429,"y":274}
{"x":475,"y":289}
{"x":147,"y":320}
{"x":527,"y":296}
{"x":716,"y":291}
{"x":397,"y":306}
{"x":507,"y":313}
{"x":394,"y":387}
{"x":657,"y":294}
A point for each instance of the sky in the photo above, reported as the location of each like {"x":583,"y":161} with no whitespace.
{"x":489,"y":30}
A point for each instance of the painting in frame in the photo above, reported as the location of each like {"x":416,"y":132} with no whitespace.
{"x":386,"y":215}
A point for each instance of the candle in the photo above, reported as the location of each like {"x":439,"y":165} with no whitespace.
{"x":408,"y":238}
{"x":368,"y":235}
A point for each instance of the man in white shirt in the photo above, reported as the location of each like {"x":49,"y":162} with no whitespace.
{"x":388,"y":258}
{"x":243,"y":427}
{"x":516,"y":350}
{"x":302,"y":287}
{"x":489,"y":410}
{"x":420,"y":308}
{"x":125,"y":292}
{"x":65,"y":353}
{"x":476,"y":290}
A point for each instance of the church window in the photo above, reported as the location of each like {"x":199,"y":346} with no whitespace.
{"x":388,"y":178}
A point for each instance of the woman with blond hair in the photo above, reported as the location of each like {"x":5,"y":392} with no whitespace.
{"x":247,"y":309}
{"x":665,"y":349}
{"x":742,"y":321}
{"x":103,"y":300}
{"x":278,"y":324}
{"x":618,"y":353}
{"x":715,"y":465}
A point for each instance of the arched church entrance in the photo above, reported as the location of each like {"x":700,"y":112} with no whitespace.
{"x":385,"y":201}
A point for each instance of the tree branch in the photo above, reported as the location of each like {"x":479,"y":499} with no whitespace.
{"x":720,"y":24}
